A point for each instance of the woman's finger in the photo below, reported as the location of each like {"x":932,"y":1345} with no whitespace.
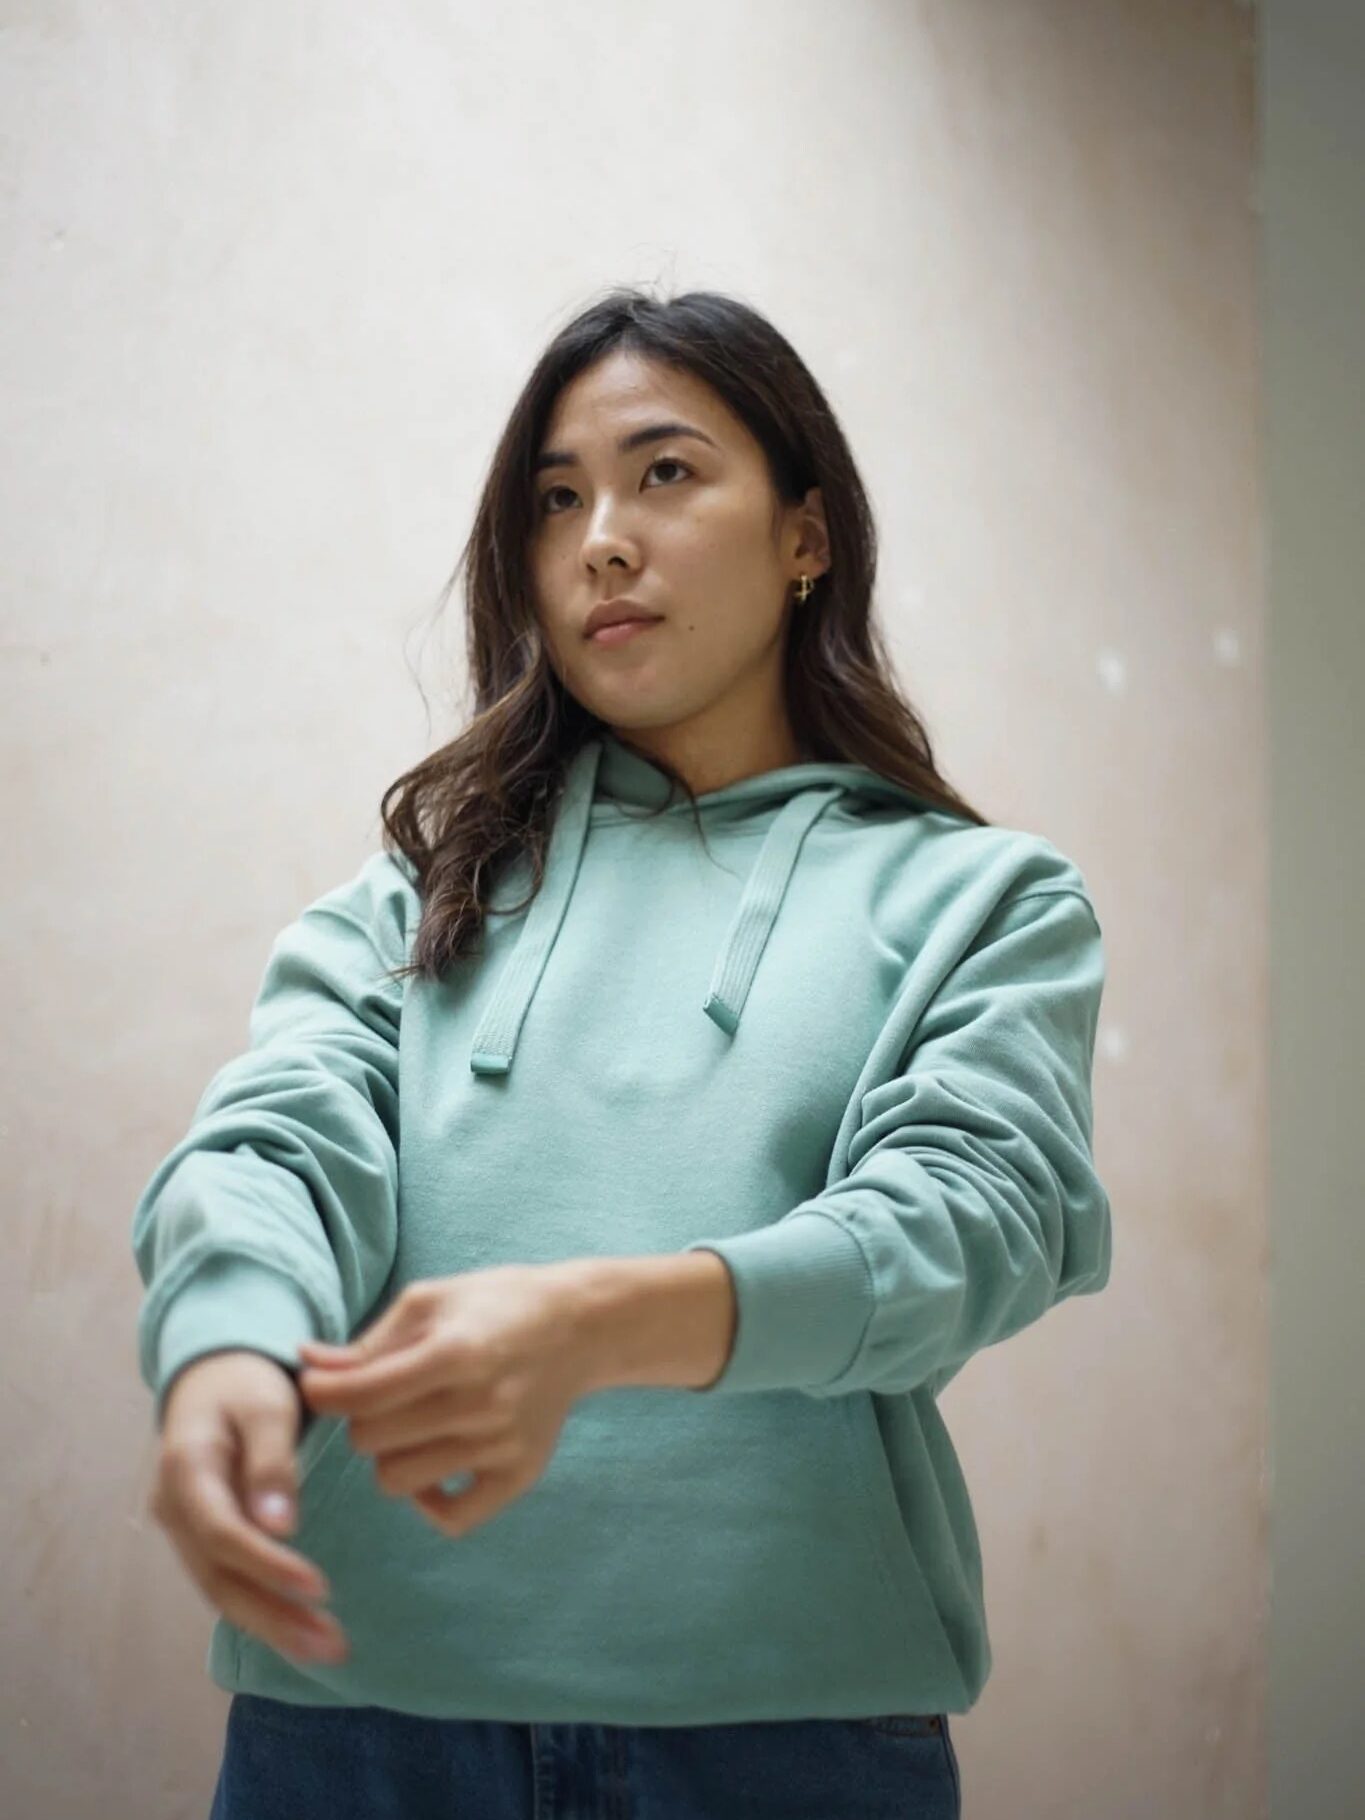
{"x":405,"y":1473}
{"x":203,"y":1502}
{"x":281,"y":1622}
{"x":454,"y":1513}
{"x":445,"y":1414}
{"x":285,"y":1626}
{"x":377,"y":1385}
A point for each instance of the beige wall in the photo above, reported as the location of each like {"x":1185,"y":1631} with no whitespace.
{"x":275,"y":274}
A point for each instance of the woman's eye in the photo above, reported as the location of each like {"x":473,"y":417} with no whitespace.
{"x":662,"y":461}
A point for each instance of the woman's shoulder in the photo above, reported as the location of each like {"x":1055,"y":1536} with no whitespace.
{"x":945,"y":860}
{"x":380,"y":901}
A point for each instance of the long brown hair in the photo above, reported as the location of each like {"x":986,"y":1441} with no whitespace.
{"x":489,"y":794}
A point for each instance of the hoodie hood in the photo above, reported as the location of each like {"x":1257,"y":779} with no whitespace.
{"x":604,"y":782}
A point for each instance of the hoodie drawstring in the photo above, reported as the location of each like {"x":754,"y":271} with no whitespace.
{"x":495,"y":1040}
{"x":741,"y":949}
{"x":747,"y":936}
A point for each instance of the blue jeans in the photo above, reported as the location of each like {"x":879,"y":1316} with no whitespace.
{"x":288,"y":1762}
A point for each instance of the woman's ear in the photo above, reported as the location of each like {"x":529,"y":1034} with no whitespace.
{"x":810,"y":555}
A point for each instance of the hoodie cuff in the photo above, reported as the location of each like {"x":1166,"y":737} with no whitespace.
{"x":232,"y":1303}
{"x":804,"y":1295}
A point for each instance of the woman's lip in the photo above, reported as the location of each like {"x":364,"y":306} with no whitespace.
{"x":623,"y":630}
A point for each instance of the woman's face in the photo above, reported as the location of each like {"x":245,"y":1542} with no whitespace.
{"x":682,"y":524}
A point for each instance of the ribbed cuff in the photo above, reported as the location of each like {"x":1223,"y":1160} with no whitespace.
{"x":231,"y":1303}
{"x":804,"y":1295}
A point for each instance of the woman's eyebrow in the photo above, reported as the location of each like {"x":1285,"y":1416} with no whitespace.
{"x":653,"y":432}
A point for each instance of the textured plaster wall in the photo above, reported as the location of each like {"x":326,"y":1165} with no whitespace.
{"x":274,"y":274}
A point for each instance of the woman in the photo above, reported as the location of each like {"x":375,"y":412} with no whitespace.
{"x":622,"y":1163}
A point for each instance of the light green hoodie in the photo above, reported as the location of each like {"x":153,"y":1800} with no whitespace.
{"x":846,"y":1044}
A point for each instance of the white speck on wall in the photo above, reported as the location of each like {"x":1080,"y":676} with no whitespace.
{"x":1227,"y":646}
{"x":1113,"y":671}
{"x":1112,"y":1042}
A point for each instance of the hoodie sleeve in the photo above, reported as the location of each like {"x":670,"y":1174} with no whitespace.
{"x":970,"y":1203}
{"x":275,"y":1218}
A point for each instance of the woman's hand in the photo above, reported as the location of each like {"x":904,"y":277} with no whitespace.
{"x":228,"y":1440}
{"x":468,"y":1373}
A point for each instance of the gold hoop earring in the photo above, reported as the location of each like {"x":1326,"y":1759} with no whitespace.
{"x":805,"y":588}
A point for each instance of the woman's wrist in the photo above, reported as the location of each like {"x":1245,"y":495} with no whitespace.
{"x":655,"y":1320}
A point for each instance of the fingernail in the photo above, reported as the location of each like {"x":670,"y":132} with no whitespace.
{"x":273,"y":1507}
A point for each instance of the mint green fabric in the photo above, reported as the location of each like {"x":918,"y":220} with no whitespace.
{"x":845,"y":1042}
